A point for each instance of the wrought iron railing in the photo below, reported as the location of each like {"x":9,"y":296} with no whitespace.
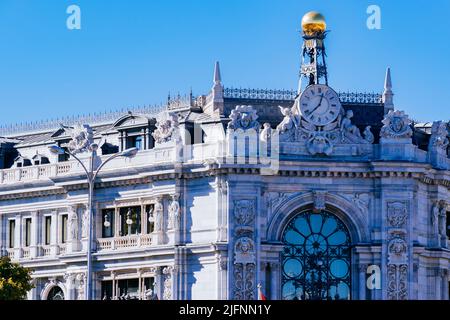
{"x":289,"y":95}
{"x":262,"y":94}
{"x":91,"y":119}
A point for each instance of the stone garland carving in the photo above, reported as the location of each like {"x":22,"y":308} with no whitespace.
{"x":439,"y":136}
{"x":397,"y":250}
{"x":397,"y":282}
{"x":244,"y":264}
{"x":396,"y":125}
{"x":82,"y":137}
{"x":167,"y":128}
{"x":174,"y":213}
{"x":243,"y":117}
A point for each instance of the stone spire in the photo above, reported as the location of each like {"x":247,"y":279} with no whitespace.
{"x":388,"y":95}
{"x":217,"y":77}
{"x":217,"y":103}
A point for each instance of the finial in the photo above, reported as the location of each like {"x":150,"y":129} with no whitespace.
{"x":388,"y":95}
{"x":388,"y":81}
{"x":217,"y":77}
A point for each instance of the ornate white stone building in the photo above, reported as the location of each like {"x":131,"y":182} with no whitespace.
{"x":309,"y":193}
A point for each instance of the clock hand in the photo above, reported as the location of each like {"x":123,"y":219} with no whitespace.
{"x":320,"y":103}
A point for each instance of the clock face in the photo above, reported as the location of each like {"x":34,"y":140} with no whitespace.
{"x":319,"y":104}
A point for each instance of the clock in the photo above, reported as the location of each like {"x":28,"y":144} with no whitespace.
{"x":319,"y":104}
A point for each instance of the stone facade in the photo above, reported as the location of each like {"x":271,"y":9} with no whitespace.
{"x":201,"y":211}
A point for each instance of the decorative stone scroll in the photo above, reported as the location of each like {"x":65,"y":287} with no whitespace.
{"x":397,"y":250}
{"x":244,"y":251}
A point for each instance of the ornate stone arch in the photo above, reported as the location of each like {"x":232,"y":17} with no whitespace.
{"x":50,"y":285}
{"x":353,"y":217}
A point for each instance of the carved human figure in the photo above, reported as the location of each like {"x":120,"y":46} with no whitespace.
{"x":265,"y":133}
{"x":435,"y":220}
{"x":347,"y":126}
{"x":289,"y":121}
{"x":368,"y":135}
{"x":158,"y":212}
{"x":174,"y":213}
{"x":443,"y":223}
{"x":73,"y":225}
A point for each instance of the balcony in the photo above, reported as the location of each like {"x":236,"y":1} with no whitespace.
{"x":127,"y":242}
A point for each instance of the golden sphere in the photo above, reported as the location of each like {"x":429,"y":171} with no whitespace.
{"x":313,"y":23}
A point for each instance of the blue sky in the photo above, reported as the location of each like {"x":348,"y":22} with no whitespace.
{"x":131,"y":53}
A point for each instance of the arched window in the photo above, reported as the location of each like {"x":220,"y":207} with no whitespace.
{"x":55,"y":293}
{"x":316,"y":258}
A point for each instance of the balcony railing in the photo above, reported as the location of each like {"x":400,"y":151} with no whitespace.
{"x":10,"y":253}
{"x":145,"y":157}
{"x":126,"y":242}
{"x":46,"y":251}
{"x":25,"y":253}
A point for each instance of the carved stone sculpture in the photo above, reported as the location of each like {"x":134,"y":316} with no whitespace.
{"x":82,"y":137}
{"x":439,"y":136}
{"x":396,"y":125}
{"x":243,"y":117}
{"x":266,"y":133}
{"x":73,"y":225}
{"x":174,"y":213}
{"x":167,"y":128}
{"x":159,"y":215}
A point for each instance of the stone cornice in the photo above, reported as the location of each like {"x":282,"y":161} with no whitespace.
{"x":355,"y":170}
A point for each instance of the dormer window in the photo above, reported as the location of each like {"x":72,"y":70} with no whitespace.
{"x":39,"y":159}
{"x":135,"y":131}
{"x":21,"y":162}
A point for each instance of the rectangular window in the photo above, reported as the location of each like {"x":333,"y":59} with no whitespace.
{"x":134,"y":142}
{"x":48,"y":227}
{"x":130,"y":221}
{"x":64,"y":219}
{"x":27,"y":232}
{"x":108,"y":223}
{"x":12,"y":231}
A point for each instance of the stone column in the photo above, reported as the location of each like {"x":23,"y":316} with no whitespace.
{"x":143,"y":220}
{"x":34,"y":234}
{"x":222,"y":286}
{"x":2,"y":236}
{"x":444,"y":277}
{"x":54,"y":234}
{"x":362,"y":281}
{"x":159,"y":220}
{"x":274,"y":280}
{"x":17,"y":237}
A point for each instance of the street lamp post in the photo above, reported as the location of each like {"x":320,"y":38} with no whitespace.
{"x":91,"y":174}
